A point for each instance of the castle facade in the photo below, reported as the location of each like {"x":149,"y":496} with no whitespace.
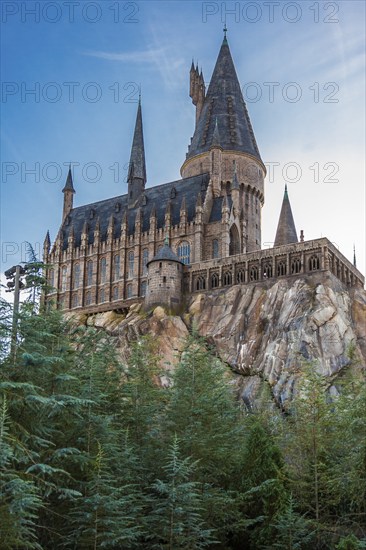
{"x":199,"y":233}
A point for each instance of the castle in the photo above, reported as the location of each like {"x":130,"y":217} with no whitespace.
{"x":158,"y":245}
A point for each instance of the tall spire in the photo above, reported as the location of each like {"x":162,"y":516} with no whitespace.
{"x":286,"y":230}
{"x":137,"y":167}
{"x":354,"y":256}
{"x":224,"y":101}
{"x":68,"y":192}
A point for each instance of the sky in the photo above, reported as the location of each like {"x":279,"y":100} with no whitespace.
{"x":72,"y":71}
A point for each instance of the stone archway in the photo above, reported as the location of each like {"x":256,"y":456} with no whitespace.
{"x":234,"y":247}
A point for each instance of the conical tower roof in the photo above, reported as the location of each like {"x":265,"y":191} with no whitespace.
{"x":69,"y":185}
{"x":137,"y":166}
{"x":224,"y":102}
{"x":286,"y":230}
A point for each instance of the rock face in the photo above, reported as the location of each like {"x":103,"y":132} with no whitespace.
{"x":264,"y":332}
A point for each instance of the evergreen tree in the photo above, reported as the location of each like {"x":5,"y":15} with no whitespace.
{"x":176,"y":519}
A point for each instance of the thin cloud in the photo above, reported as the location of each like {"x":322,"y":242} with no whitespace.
{"x":145,"y":56}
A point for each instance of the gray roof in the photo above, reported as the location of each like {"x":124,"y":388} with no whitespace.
{"x":165,"y":253}
{"x":286,"y":230}
{"x":154,"y":198}
{"x":224,"y":102}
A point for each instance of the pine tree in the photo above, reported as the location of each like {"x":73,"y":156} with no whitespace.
{"x":176,"y":519}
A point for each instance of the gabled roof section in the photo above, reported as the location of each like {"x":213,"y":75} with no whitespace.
{"x":224,"y":102}
{"x":137,"y":166}
{"x":156,"y":200}
{"x":286,"y":230}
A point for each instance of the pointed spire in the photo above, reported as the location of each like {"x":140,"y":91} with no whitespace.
{"x":286,"y":231}
{"x":354,"y":256}
{"x":137,"y":168}
{"x":216,"y":136}
{"x":225,"y":31}
{"x":47,"y":241}
{"x":224,"y":101}
{"x":69,"y":185}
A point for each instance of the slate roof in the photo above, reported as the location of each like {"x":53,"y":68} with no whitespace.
{"x":69,"y":186}
{"x":156,"y":198}
{"x":286,"y":230}
{"x":165,"y":253}
{"x":224,"y":102}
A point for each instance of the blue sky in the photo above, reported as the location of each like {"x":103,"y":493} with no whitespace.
{"x":300,"y":65}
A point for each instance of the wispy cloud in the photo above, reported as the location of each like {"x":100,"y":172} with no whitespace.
{"x":144,"y":56}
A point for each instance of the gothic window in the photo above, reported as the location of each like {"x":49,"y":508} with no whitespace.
{"x":145,"y":259}
{"x":253,"y":273}
{"x":131,"y":264}
{"x":76,"y":275}
{"x":129,"y":291}
{"x":88,"y":298}
{"x":200,"y":283}
{"x":63,"y":278}
{"x":214,"y":280}
{"x":89,"y":273}
{"x":75,"y":300}
{"x":267,"y":271}
{"x":115,"y":293}
{"x":143,"y":288}
{"x":102,"y":296}
{"x":227,"y":278}
{"x":234,"y":247}
{"x":215,"y":248}
{"x":51,"y":278}
{"x":103,"y":270}
{"x":281,"y":268}
{"x":314,"y":263}
{"x":117,"y":265}
{"x":240,"y":276}
{"x":184,"y":252}
{"x":295,"y":265}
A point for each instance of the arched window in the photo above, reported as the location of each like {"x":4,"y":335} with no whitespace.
{"x":88,"y":298}
{"x":240,"y":276}
{"x":75,"y":300}
{"x":117,"y":266}
{"x":281,"y":268}
{"x":129,"y":291}
{"x":214,"y":280}
{"x":51,"y":278}
{"x":200,"y":283}
{"x":234,"y":247}
{"x":115,"y":293}
{"x":295,"y":265}
{"x":314,"y":263}
{"x":101,"y":296}
{"x":143,"y":288}
{"x":215,"y":248}
{"x":76,"y":275}
{"x":227,"y":278}
{"x":131,"y":264}
{"x":253,"y":273}
{"x":267,"y":271}
{"x":63,"y":278}
{"x":89,"y":273}
{"x":145,"y":259}
{"x":103,"y":270}
{"x":184,"y":252}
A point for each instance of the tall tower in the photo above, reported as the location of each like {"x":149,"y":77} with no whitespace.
{"x":68,"y":192}
{"x":137,"y":167}
{"x":223,"y":136}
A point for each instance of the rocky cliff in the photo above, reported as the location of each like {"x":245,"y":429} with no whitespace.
{"x":264,"y":332}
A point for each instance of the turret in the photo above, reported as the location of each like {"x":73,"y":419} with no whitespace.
{"x":46,"y":247}
{"x":197,"y":89}
{"x":68,"y":192}
{"x":137,"y":167}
